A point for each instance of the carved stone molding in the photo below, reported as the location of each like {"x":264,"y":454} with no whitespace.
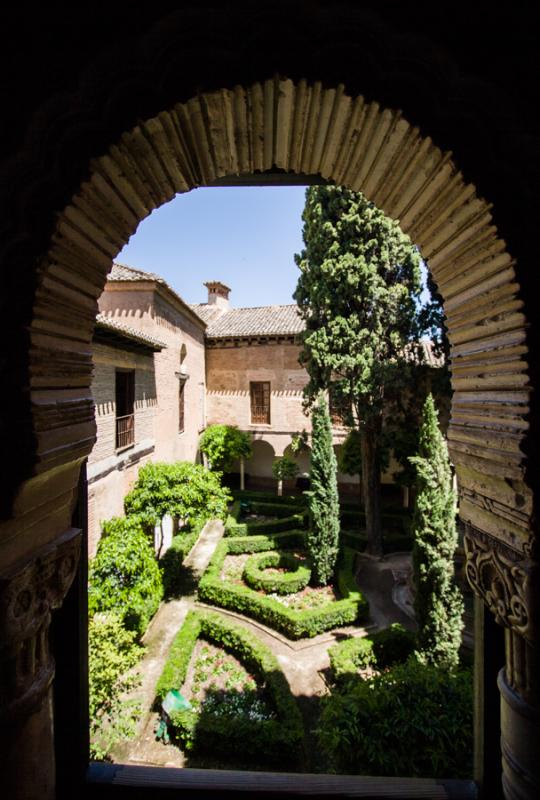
{"x":28,"y":594}
{"x":504,"y":581}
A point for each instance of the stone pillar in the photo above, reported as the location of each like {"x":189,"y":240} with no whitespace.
{"x":508,"y":585}
{"x":29,"y":592}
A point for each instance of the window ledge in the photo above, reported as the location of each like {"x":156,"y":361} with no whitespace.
{"x":276,"y":784}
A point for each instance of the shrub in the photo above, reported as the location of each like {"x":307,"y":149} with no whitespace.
{"x":233,"y":528}
{"x":112,"y":652}
{"x":183,"y":490}
{"x":347,"y":657}
{"x":381,"y":649}
{"x":259,"y":495}
{"x":294,"y":624}
{"x":267,"y":740}
{"x":124,"y":576}
{"x":413,"y":720}
{"x":171,"y":562}
{"x":322,"y":540}
{"x":259,"y":544}
{"x":392,"y":645}
{"x":295,"y":578}
{"x":223,"y":444}
{"x":284,"y":467}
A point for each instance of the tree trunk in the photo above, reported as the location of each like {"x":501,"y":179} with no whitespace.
{"x":242,"y":479}
{"x":280,"y":488}
{"x":371,"y":485}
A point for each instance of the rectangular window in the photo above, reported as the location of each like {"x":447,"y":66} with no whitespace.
{"x":260,"y":402}
{"x":125,"y":401}
{"x":181,"y":412}
{"x":339,"y":409}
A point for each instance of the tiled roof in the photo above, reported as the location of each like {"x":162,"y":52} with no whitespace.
{"x":127,"y":332}
{"x":260,"y":321}
{"x":207,"y":312}
{"x":121,"y":272}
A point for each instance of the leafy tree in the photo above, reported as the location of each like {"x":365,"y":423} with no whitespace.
{"x":124,"y":576}
{"x":223,"y":444}
{"x":284,"y":468}
{"x":438,"y":602}
{"x":112,"y":653}
{"x":350,"y":455}
{"x":322,"y":539}
{"x":358,"y":292}
{"x":183,"y":490}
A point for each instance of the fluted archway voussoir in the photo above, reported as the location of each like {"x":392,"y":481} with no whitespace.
{"x":306,"y":129}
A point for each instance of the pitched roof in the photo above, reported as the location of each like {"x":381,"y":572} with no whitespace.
{"x":122,"y":273}
{"x":123,"y":331}
{"x":207,"y":312}
{"x":258,"y":321}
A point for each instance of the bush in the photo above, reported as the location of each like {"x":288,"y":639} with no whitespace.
{"x":382,"y":649}
{"x":267,"y":740}
{"x":284,"y":467}
{"x":171,"y":562}
{"x":294,"y":624}
{"x":233,"y":528}
{"x":223,"y":444}
{"x":413,"y":720}
{"x":124,"y":577}
{"x":295,"y":578}
{"x":260,"y":544}
{"x":183,"y":490}
{"x":112,"y":652}
{"x":259,"y":495}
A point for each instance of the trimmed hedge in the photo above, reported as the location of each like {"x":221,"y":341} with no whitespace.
{"x":294,"y":624}
{"x":171,"y":562}
{"x":268,"y":497}
{"x":293,"y":580}
{"x":268,"y":740}
{"x":382,"y":649}
{"x":259,"y":544}
{"x":392,"y":542}
{"x":233,"y":528}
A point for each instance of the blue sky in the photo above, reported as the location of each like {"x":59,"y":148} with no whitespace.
{"x":243,"y":236}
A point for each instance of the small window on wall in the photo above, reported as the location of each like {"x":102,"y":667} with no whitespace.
{"x":260,"y":402}
{"x":181,"y":410}
{"x":125,"y":400}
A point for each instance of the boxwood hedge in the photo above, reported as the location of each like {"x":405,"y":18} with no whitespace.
{"x":292,"y":623}
{"x":294,"y":579}
{"x":382,"y":649}
{"x":268,"y":740}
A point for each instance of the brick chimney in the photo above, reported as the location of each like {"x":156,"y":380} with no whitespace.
{"x":218,"y":294}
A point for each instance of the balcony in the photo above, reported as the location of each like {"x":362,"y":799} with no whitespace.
{"x":125,"y":431}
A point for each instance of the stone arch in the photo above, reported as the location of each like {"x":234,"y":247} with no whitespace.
{"x":304,"y":129}
{"x":307,"y":129}
{"x":303,"y":459}
{"x":260,"y":463}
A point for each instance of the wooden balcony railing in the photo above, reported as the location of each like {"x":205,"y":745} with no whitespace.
{"x":125,"y":431}
{"x":260,"y":415}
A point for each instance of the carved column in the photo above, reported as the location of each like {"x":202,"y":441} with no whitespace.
{"x":508,"y":582}
{"x":29,"y":592}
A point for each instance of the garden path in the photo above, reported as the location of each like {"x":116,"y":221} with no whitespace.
{"x":303,"y":662}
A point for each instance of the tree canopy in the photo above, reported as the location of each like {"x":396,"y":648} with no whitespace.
{"x":223,"y":444}
{"x":359,"y":294}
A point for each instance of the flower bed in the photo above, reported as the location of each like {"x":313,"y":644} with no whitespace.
{"x":267,"y":609}
{"x":259,"y":717}
{"x":261,"y":572}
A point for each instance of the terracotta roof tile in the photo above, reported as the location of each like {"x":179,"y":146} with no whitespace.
{"x":112,"y":324}
{"x":259,"y":321}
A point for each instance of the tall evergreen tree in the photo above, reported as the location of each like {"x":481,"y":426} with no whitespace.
{"x":322,"y":539}
{"x":358,"y":293}
{"x":438,"y":602}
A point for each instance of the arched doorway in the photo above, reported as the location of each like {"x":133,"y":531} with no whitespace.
{"x":484,"y":307}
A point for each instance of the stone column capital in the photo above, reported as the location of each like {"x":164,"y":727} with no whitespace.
{"x":29,"y":592}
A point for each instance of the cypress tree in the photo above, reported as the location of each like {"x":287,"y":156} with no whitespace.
{"x":438,"y":603}
{"x":323,"y":535}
